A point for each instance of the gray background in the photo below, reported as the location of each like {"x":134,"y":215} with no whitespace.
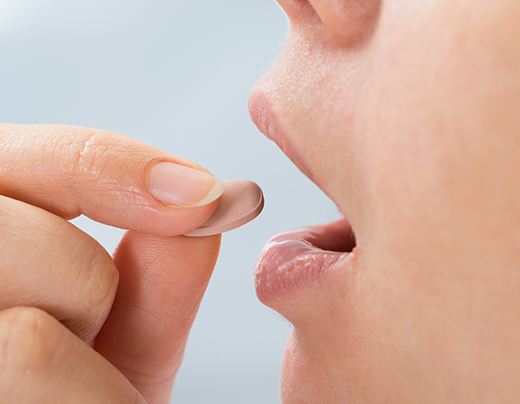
{"x":175,"y":74}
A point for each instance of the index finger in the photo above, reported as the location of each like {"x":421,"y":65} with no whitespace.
{"x":108,"y":177}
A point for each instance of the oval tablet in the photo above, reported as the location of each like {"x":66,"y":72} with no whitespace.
{"x":241,"y":202}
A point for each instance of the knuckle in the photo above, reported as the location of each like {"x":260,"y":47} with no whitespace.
{"x":104,"y":278}
{"x":98,"y":269}
{"x":29,"y":338}
{"x":101,"y":278}
{"x":92,"y":152}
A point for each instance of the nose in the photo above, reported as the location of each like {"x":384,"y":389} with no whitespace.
{"x":347,"y":21}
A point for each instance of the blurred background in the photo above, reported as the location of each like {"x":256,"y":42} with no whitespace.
{"x":177,"y":75}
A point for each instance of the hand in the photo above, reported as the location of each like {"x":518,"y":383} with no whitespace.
{"x":77,"y":326}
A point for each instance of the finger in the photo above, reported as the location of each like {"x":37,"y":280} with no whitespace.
{"x":106,"y":176}
{"x":48,"y":263}
{"x":162,"y":281}
{"x":43,"y":362}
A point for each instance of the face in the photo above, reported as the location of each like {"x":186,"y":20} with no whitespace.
{"x":407,"y":115}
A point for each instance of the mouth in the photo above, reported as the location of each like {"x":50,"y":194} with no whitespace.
{"x":299,"y":259}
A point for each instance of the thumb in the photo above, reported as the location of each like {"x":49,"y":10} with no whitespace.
{"x":162,"y":281}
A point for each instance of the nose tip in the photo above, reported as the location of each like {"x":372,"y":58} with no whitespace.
{"x":260,"y":111}
{"x":252,"y":105}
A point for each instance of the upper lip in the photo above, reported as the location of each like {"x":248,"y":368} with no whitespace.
{"x":264,"y":117}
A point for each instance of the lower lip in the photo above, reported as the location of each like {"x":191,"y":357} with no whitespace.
{"x":294,"y":260}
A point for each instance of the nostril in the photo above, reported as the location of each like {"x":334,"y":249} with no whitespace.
{"x":298,"y":10}
{"x":351,"y":21}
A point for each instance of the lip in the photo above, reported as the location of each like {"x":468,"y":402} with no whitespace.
{"x":297,"y":259}
{"x":267,"y":122}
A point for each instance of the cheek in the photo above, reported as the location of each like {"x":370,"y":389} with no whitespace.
{"x":436,"y":120}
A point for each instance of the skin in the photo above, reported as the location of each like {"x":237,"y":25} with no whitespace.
{"x":415,"y":105}
{"x":77,"y":325}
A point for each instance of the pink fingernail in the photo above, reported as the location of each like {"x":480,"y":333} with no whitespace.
{"x":175,"y":184}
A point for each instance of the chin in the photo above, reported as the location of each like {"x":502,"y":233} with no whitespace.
{"x":308,"y":377}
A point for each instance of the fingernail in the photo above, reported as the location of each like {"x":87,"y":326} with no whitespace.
{"x":175,"y":184}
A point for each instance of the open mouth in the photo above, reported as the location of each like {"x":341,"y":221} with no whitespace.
{"x":296,"y":259}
